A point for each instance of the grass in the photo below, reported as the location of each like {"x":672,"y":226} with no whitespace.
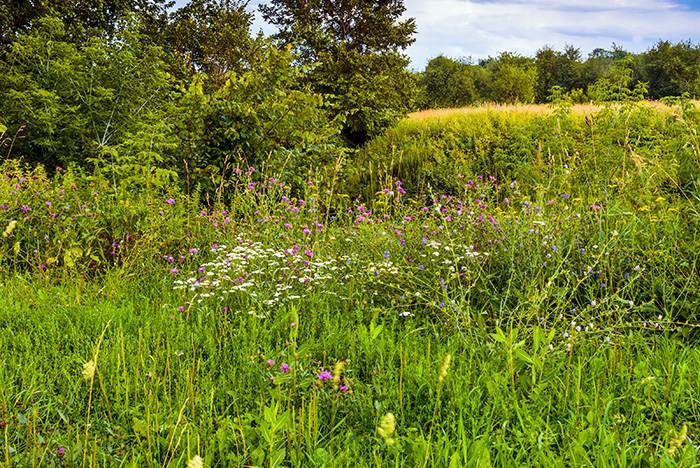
{"x":506,"y":323}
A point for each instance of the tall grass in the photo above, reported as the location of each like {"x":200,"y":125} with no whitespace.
{"x":548,"y":318}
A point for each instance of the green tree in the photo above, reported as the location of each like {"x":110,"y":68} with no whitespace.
{"x":556,"y":69}
{"x":77,"y":103}
{"x":353,"y":48}
{"x":258,"y":118}
{"x":599,"y":64}
{"x":80,"y":17}
{"x":452,"y":83}
{"x":212,"y":37}
{"x":512,"y":78}
{"x":672,"y":69}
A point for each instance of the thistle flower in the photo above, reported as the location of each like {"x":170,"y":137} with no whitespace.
{"x":89,"y":370}
{"x":673,"y":444}
{"x":445,"y":367}
{"x":386,"y":428}
{"x":195,"y":462}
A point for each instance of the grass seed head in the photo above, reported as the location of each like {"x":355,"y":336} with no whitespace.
{"x":195,"y":462}
{"x":89,"y":369}
{"x":387,"y":427}
{"x":673,"y":444}
{"x":445,"y":367}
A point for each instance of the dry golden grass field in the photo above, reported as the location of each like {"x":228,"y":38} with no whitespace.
{"x":527,"y":108}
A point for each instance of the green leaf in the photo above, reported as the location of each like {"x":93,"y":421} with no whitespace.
{"x":499,"y":336}
{"x":278,"y":457}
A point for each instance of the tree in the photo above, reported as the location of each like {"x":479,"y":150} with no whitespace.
{"x":452,"y":83}
{"x":512,"y":78}
{"x":79,"y":17}
{"x":257,"y":118}
{"x":556,"y":69}
{"x":353,"y":51}
{"x":212,"y":37}
{"x":80,"y":102}
{"x":672,"y":69}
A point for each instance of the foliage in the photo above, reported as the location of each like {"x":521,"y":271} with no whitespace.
{"x":452,"y":83}
{"x":512,"y":78}
{"x":74,"y":103}
{"x":672,"y":69}
{"x":82,"y":20}
{"x":556,"y":69}
{"x":258,"y":117}
{"x":211,"y":37}
{"x":354,"y":50}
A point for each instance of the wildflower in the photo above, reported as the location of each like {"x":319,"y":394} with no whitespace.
{"x":195,"y":462}
{"x":324,"y":375}
{"x":89,"y":370}
{"x":270,"y":362}
{"x":386,"y":428}
{"x":386,"y":254}
{"x":284,"y":368}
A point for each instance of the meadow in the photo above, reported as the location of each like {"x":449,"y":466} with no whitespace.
{"x":497,"y":288}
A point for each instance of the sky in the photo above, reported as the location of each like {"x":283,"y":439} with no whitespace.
{"x":484,"y":28}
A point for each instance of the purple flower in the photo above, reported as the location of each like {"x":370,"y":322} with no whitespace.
{"x":386,"y":254}
{"x":284,"y":368}
{"x":324,"y":375}
{"x":170,"y":201}
{"x":270,"y":362}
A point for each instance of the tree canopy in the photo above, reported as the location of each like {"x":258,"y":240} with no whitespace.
{"x":353,"y":49}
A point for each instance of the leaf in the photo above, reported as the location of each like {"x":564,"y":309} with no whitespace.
{"x":278,"y":457}
{"x":281,"y":421}
{"x":522,"y":355}
{"x":499,"y":336}
{"x":375,"y":330}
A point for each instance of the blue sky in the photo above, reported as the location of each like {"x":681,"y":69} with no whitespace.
{"x":483,"y":28}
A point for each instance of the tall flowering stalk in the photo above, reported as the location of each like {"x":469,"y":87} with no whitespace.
{"x":89,"y":369}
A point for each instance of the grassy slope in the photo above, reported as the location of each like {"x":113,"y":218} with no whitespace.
{"x":579,"y":355}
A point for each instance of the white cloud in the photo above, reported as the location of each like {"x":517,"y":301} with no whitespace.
{"x":485,"y":28}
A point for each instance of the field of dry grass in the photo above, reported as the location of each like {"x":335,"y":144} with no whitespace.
{"x":541,"y":109}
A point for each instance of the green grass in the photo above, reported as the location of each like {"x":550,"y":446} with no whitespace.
{"x":539,"y":321}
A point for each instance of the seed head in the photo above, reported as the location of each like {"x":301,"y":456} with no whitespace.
{"x":89,"y":370}
{"x":387,"y":427}
{"x":10,"y":227}
{"x":445,"y":367}
{"x":195,"y":462}
{"x":673,"y":444}
{"x":336,"y":374}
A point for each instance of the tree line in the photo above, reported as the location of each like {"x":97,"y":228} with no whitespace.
{"x":666,"y":69}
{"x":147,"y":95}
